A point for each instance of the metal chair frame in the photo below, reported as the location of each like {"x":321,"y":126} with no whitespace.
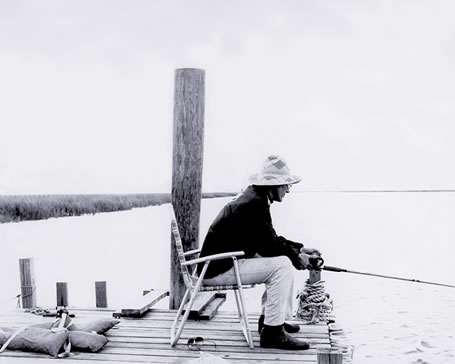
{"x":194,"y":285}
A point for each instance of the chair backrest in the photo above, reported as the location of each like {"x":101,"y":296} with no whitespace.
{"x":180,"y":253}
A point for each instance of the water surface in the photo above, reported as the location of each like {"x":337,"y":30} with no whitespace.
{"x":409,"y":234}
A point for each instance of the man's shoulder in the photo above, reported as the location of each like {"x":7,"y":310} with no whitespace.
{"x":249,"y":197}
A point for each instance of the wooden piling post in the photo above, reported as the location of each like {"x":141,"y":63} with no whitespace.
{"x":315,"y":275}
{"x":62,"y":294}
{"x":329,"y":356}
{"x":27,"y":278}
{"x":188,"y":135}
{"x":101,"y":293}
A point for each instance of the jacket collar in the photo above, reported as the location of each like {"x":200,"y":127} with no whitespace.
{"x":261,"y":192}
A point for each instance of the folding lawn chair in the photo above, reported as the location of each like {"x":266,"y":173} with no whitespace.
{"x":194,"y":285}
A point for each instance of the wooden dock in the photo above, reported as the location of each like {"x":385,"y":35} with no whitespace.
{"x":146,"y":340}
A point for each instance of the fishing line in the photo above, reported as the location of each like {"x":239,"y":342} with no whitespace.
{"x":342,"y":270}
{"x":317,"y":263}
{"x":15,"y":297}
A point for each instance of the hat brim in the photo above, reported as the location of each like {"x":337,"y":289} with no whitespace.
{"x":259,"y":179}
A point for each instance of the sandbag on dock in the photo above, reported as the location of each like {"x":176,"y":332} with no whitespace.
{"x":5,"y":333}
{"x":99,"y":326}
{"x":87,"y":341}
{"x":50,"y":337}
{"x":39,"y":340}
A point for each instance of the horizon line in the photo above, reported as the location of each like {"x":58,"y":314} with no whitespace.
{"x":391,"y":190}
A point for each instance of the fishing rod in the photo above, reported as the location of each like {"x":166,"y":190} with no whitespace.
{"x":317,"y":263}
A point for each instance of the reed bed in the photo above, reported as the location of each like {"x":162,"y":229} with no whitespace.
{"x":16,"y":208}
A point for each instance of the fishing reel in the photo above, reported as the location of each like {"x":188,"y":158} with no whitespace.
{"x":316,"y":263}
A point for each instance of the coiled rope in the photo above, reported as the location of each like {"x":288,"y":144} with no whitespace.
{"x":314,"y":304}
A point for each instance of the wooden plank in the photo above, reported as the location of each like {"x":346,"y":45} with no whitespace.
{"x":206,"y":305}
{"x":234,"y":335}
{"x":144,"y":303}
{"x":251,"y":354}
{"x":212,"y":308}
{"x":206,"y":325}
{"x":212,"y":334}
{"x":50,"y":360}
{"x":207,"y":329}
{"x":95,"y":310}
{"x":221,"y":313}
{"x":24,"y":357}
{"x":151,"y":317}
{"x":214,"y":323}
{"x":225,"y":341}
{"x":202,"y":300}
{"x":227,"y":335}
{"x":208,"y":346}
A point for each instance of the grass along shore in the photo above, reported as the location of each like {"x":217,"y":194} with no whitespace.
{"x":16,"y":208}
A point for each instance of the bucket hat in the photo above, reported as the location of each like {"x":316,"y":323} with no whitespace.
{"x":275,"y":171}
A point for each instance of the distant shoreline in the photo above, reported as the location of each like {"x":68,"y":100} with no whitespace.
{"x":17,"y":208}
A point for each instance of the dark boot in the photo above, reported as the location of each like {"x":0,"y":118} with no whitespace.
{"x":291,"y":328}
{"x":276,"y":337}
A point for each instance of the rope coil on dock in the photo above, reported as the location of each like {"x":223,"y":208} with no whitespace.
{"x":314,"y":304}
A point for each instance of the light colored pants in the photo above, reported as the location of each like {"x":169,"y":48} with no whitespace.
{"x":277,"y":273}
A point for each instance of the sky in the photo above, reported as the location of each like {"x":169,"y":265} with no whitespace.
{"x":353,"y":94}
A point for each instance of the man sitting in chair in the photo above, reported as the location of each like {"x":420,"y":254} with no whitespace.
{"x":245,"y":224}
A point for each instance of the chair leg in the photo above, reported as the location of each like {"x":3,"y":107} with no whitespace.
{"x":243,"y":315}
{"x":175,"y":336}
{"x":240,"y":311}
{"x":179,"y":328}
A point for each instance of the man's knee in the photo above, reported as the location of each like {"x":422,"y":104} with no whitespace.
{"x":283,"y":264}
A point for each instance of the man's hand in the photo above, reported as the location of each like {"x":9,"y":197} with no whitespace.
{"x":306,"y":254}
{"x":311,"y":251}
{"x":304,"y":260}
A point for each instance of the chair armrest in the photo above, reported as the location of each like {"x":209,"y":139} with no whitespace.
{"x":214,"y":257}
{"x":191,"y":252}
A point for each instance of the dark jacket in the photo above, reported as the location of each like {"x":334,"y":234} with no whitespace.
{"x":245,"y":224}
